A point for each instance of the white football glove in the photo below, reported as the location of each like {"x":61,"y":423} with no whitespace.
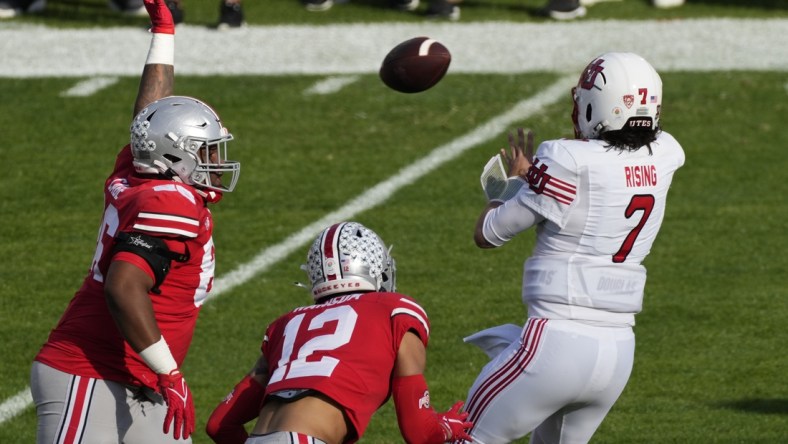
{"x":496,"y":186}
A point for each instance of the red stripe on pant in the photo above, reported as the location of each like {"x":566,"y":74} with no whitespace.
{"x":300,"y":438}
{"x":77,"y":409}
{"x":509,"y":372}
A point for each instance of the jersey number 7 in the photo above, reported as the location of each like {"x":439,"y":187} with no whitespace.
{"x":644,"y":202}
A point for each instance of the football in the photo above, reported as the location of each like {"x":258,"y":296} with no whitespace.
{"x":415,"y":65}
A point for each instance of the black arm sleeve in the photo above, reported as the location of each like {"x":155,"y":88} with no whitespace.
{"x":153,"y":249}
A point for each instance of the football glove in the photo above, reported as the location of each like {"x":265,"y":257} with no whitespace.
{"x":454,"y":424}
{"x":160,"y":17}
{"x":496,"y":186}
{"x":180,"y":405}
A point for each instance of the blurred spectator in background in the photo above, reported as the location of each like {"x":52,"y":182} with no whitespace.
{"x":444,"y":9}
{"x":572,"y":9}
{"x":230,"y":13}
{"x":668,"y":3}
{"x":13,"y":8}
{"x":325,"y":5}
{"x":555,"y":9}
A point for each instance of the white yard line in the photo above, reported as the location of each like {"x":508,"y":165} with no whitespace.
{"x":89,"y":86}
{"x":331,"y":84}
{"x":15,"y":405}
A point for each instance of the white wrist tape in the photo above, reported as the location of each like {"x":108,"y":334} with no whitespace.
{"x":162,"y":50}
{"x":158,"y":357}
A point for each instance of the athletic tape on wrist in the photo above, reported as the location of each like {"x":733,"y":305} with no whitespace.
{"x":162,"y":49}
{"x":158,"y":357}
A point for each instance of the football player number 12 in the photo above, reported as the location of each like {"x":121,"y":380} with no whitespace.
{"x":643,"y":202}
{"x":294,"y":364}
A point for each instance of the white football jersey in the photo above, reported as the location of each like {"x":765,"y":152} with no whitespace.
{"x":602,"y":210}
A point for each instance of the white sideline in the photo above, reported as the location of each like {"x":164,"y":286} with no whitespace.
{"x":369,"y":199}
{"x":483,"y":47}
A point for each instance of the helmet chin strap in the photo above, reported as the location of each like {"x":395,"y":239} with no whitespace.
{"x":172,"y":175}
{"x":209,"y":196}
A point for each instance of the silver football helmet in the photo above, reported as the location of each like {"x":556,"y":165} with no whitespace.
{"x":615,"y":90}
{"x":349,"y":257}
{"x":174,"y":136}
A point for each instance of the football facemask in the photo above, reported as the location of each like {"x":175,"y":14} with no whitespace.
{"x":183,"y":137}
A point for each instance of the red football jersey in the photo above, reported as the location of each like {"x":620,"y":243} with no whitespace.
{"x":86,"y":340}
{"x":344,"y":348}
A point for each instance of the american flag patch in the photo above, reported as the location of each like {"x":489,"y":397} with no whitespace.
{"x":653,"y":99}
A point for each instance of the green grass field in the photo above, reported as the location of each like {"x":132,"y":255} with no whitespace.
{"x":711,"y":356}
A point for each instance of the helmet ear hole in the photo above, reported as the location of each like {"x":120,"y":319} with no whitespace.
{"x":588,"y":112}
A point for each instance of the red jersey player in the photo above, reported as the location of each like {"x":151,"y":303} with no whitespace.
{"x":326,"y":368}
{"x":109,"y":369}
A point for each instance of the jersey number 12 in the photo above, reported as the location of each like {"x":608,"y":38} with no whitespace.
{"x":294,"y":364}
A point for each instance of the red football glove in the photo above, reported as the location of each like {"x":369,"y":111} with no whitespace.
{"x":180,"y":405}
{"x":454,"y":423}
{"x":160,"y":17}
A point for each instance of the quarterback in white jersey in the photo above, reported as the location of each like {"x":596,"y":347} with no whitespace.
{"x":597,"y":202}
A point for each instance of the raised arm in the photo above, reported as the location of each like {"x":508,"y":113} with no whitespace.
{"x":158,"y":76}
